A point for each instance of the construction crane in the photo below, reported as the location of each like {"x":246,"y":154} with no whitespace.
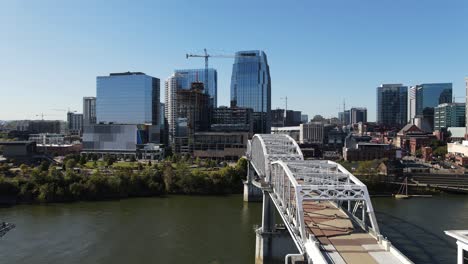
{"x":206,"y":56}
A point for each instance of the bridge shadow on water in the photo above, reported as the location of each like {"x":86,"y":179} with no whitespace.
{"x":417,"y":243}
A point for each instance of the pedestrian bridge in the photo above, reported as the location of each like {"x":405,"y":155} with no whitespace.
{"x":326,"y":211}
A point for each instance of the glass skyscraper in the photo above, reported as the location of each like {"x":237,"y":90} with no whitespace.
{"x":127,"y":98}
{"x":185,"y":78}
{"x":429,"y":96}
{"x":251,"y":87}
{"x":392,"y":100}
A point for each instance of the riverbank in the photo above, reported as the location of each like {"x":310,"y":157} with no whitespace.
{"x":44,"y":184}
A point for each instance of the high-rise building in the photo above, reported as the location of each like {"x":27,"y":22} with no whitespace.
{"x":358,"y":114}
{"x":466,"y":108}
{"x":127,"y":98}
{"x":251,"y":87}
{"x":189,"y":76}
{"x":75,"y":123}
{"x":430,"y":95}
{"x":277,"y":117}
{"x":345,"y":117}
{"x":192,"y":115}
{"x":293,"y":118}
{"x":89,"y":111}
{"x":449,"y":115}
{"x":304,"y":118}
{"x":392,"y":101}
{"x":411,"y":103}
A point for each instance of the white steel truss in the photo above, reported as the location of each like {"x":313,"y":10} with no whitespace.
{"x":278,"y":161}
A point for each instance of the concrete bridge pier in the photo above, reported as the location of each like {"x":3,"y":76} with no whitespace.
{"x":273,"y":242}
{"x":251,"y":193}
{"x":272,"y":247}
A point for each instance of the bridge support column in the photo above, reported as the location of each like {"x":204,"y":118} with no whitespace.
{"x":272,"y":247}
{"x":251,"y":192}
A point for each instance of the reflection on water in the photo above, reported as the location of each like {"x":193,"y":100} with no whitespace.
{"x":188,"y":229}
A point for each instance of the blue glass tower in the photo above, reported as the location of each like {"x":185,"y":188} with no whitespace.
{"x":251,"y":87}
{"x":185,"y":78}
{"x":127,"y":98}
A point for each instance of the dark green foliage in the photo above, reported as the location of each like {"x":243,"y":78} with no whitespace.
{"x":44,"y":184}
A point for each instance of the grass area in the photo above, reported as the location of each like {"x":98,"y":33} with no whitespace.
{"x":125,"y":164}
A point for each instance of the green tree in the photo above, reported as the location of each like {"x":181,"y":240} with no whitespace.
{"x":440,"y":151}
{"x":70,"y":164}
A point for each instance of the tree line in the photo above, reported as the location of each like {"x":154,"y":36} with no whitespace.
{"x":47,"y":183}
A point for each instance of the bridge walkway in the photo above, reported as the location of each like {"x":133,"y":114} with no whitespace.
{"x":341,"y":239}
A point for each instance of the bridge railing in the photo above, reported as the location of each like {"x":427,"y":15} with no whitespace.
{"x":292,"y":184}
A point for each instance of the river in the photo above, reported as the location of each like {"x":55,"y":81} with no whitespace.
{"x":194,"y":229}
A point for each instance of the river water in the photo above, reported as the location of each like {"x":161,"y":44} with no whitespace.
{"x":193,"y":229}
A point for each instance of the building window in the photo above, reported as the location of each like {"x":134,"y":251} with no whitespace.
{"x":465,"y":257}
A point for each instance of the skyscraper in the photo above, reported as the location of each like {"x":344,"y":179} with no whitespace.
{"x":251,"y":87}
{"x":127,"y":98}
{"x":89,"y":110}
{"x":392,"y":100}
{"x":429,"y":96}
{"x":411,"y":103}
{"x":189,"y":76}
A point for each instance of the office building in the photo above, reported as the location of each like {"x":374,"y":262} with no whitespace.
{"x":304,"y":118}
{"x":75,"y":123}
{"x":251,"y":87}
{"x":358,"y":114}
{"x":449,"y":115}
{"x":232,"y":119}
{"x":429,"y":96}
{"x":277,"y":117}
{"x":311,"y":133}
{"x":122,"y":140}
{"x":189,"y":76}
{"x":220,"y":145}
{"x":466,"y":110}
{"x":44,"y":126}
{"x":411,"y":103}
{"x":127,"y":98}
{"x":392,"y":101}
{"x":89,"y":111}
{"x":293,"y":118}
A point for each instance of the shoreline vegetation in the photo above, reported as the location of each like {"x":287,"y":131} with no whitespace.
{"x":87,"y":179}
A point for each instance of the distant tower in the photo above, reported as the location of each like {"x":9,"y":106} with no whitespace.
{"x":89,"y":111}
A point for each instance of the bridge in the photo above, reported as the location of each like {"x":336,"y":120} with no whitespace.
{"x":327,"y":212}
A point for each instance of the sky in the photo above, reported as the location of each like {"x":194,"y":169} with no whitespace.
{"x":320,"y":52}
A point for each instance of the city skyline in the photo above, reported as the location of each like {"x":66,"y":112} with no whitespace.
{"x":340,"y":51}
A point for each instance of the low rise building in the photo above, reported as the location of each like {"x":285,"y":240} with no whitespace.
{"x":117,"y":139}
{"x":220,"y":145}
{"x":360,"y":148}
{"x":312,"y":133}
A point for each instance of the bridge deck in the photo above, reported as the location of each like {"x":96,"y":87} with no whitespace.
{"x":343,"y":241}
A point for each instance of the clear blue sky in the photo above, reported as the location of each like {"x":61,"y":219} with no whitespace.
{"x":319,"y":52}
